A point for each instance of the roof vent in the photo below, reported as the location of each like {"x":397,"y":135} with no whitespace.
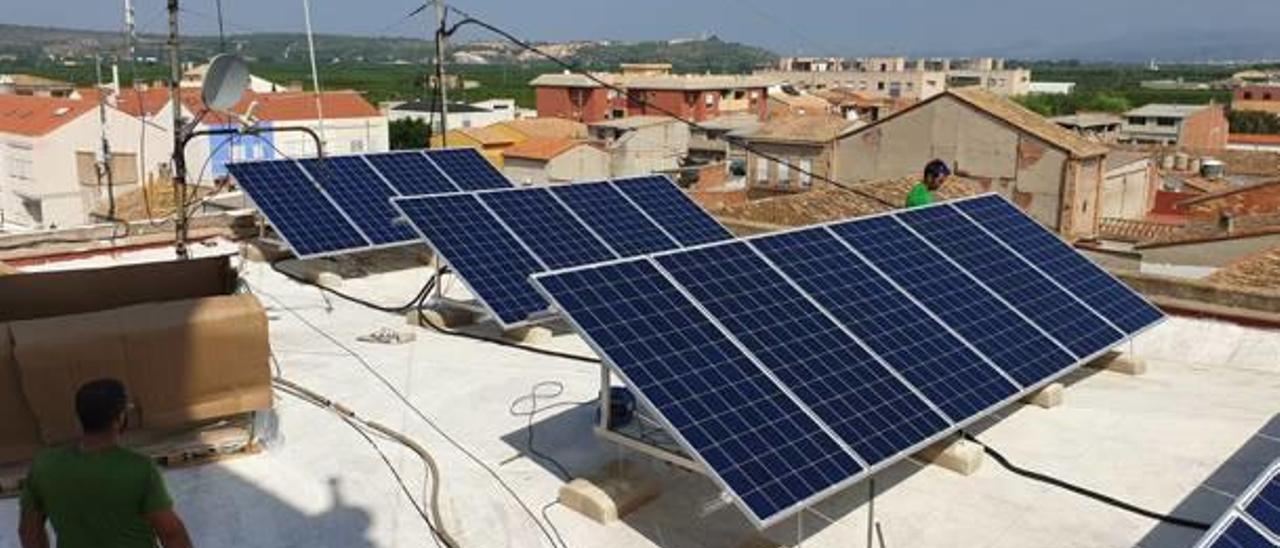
{"x":62,"y":111}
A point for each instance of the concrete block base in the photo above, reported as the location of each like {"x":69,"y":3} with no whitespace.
{"x":443,"y":316}
{"x":1047,"y":397}
{"x":528,"y":335}
{"x":958,"y":455}
{"x":316,"y":272}
{"x":1118,"y":363}
{"x":619,"y":488}
{"x":260,"y":251}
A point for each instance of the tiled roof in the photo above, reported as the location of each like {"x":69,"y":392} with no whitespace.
{"x":541,"y":149}
{"x":1166,"y":111}
{"x":802,"y":101}
{"x":827,"y":203}
{"x":292,"y":105}
{"x":552,"y":128}
{"x":1134,"y":230}
{"x":1201,"y":231}
{"x":801,"y":129}
{"x":1087,"y":119}
{"x":1253,"y":139}
{"x":1011,"y":113}
{"x":572,"y":80}
{"x":634,"y":122}
{"x":1261,"y":270}
{"x":35,"y":116}
{"x":31,"y":80}
{"x":1228,"y":192}
{"x":1121,"y":158}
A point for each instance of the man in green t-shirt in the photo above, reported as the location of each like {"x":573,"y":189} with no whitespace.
{"x":935,"y":173}
{"x":96,"y":493}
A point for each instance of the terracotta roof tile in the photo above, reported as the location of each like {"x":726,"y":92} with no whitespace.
{"x":557,"y":128}
{"x":35,"y":116}
{"x":1261,"y":270}
{"x":1253,"y":139}
{"x":1134,"y":230}
{"x":541,"y":149}
{"x":291,"y":105}
{"x":807,"y":129}
{"x":827,"y":203}
{"x":1211,"y":230}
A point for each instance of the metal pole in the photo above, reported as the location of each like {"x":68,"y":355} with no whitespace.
{"x":179,"y":158}
{"x":106,"y":144}
{"x":222,"y":37}
{"x":315,"y":75}
{"x":440,"y":74}
{"x":871,"y":511}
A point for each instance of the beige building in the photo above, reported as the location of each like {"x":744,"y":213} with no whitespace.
{"x":900,"y":78}
{"x":639,"y":145}
{"x":1129,"y":186}
{"x":1051,"y":173}
{"x":786,"y":154}
{"x":555,"y":161}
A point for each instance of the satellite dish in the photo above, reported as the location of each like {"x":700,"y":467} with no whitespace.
{"x":225,"y":82}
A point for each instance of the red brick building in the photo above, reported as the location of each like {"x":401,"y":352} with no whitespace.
{"x":692,"y":97}
{"x":1257,"y":97}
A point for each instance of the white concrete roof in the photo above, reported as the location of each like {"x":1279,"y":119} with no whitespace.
{"x":1185,"y":436}
{"x":1166,"y":111}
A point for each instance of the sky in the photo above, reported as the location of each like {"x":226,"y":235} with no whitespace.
{"x":839,"y":27}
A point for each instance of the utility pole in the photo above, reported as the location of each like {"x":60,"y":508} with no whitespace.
{"x":440,"y":76}
{"x":106,"y":166}
{"x":179,"y":158}
{"x":315,"y":76}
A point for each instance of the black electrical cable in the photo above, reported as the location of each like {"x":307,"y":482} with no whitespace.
{"x":536,"y":392}
{"x":552,"y":353}
{"x":1084,"y":491}
{"x":417,"y":299}
{"x":419,"y":413}
{"x":469,"y":19}
{"x":552,"y":523}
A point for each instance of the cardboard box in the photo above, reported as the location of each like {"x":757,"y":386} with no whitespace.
{"x":182,"y":361}
{"x":19,"y":434}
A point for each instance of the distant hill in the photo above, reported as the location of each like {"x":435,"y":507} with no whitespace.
{"x":38,"y":44}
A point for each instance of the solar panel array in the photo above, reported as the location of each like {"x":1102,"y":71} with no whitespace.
{"x":885,"y":334}
{"x":528,"y":230}
{"x":1253,"y":521}
{"x":341,"y":204}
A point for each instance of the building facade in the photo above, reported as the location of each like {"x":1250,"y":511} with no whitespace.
{"x":916,"y":80}
{"x":1201,"y":127}
{"x":788,"y":154}
{"x":691,"y":97}
{"x":1262,"y":97}
{"x":1051,"y":173}
{"x":640,"y":145}
{"x":555,"y":161}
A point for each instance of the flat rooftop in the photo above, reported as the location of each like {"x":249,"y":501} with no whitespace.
{"x":1183,"y":438}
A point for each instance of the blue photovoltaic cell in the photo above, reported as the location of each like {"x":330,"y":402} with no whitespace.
{"x":994,"y":329}
{"x":1265,"y":507}
{"x":297,"y":209}
{"x":744,"y":428}
{"x":871,"y":410}
{"x":549,"y":229}
{"x":1036,"y":296}
{"x":1239,"y":534}
{"x":671,"y":208}
{"x":1084,"y":279}
{"x":608,"y":212}
{"x":362,"y":195}
{"x":938,"y":364}
{"x":474,"y":243}
{"x":468,"y":169}
{"x":411,"y":173}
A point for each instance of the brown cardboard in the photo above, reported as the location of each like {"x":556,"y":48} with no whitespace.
{"x":182,"y":361}
{"x":19,"y":435}
{"x":32,"y":295}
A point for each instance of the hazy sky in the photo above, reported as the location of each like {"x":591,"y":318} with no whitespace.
{"x":789,"y":26}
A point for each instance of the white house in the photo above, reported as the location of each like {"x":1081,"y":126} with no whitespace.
{"x":551,"y":160}
{"x":461,"y":115}
{"x":1052,"y":88}
{"x":639,"y":145}
{"x":50,"y":150}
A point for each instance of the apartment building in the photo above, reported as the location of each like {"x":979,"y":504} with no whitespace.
{"x":1202,"y":127}
{"x":650,"y":92}
{"x":902,"y":78}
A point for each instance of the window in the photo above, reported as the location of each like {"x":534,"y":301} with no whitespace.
{"x":18,"y":161}
{"x":1166,"y":122}
{"x":1137,"y":121}
{"x":1266,"y":96}
{"x":1248,"y":95}
{"x":357,"y":145}
{"x":762,"y":170}
{"x":880,"y":86}
{"x":806,"y":168}
{"x":739,"y":94}
{"x":709,"y":100}
{"x":784,"y":175}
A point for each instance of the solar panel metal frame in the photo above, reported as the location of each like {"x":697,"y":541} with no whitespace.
{"x":369,"y":245}
{"x":871,"y":468}
{"x":1237,"y":511}
{"x":534,"y":318}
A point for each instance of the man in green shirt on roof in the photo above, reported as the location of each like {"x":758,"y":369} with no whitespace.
{"x":96,"y":493}
{"x":935,"y":173}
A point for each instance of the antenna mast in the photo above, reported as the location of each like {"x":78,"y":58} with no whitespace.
{"x":179,"y":158}
{"x":440,"y":76}
{"x":315,"y":76}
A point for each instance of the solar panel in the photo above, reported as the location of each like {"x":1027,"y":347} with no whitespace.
{"x":628,"y":231}
{"x":1237,"y":533}
{"x":1004,"y":337}
{"x":547,"y":227}
{"x":869,"y":408}
{"x":673,"y":210}
{"x":1042,"y":301}
{"x":1112,"y":299}
{"x":410,"y":173}
{"x":494,"y":265}
{"x":753,"y":439}
{"x":1264,"y":505}
{"x":358,"y":191}
{"x":940,"y":365}
{"x":298,"y":209}
{"x":468,"y":169}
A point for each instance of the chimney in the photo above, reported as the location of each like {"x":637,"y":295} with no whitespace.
{"x":1226,"y":221}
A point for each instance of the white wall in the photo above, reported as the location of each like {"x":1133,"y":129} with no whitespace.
{"x":1125,"y":191}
